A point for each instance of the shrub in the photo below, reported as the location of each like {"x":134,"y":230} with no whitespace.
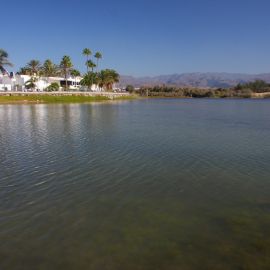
{"x":130,"y":89}
{"x":258,"y":86}
{"x":53,"y":87}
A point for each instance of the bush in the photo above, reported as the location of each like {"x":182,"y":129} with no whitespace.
{"x":53,"y":87}
{"x":246,"y":93}
{"x":130,"y":89}
{"x":258,"y":86}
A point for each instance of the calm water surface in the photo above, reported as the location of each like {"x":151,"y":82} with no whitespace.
{"x":152,"y":184}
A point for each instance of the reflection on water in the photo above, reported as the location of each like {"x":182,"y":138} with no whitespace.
{"x":152,"y":184}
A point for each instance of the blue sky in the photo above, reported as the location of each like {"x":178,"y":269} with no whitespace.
{"x":142,"y":37}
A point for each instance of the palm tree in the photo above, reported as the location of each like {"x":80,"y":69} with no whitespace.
{"x":31,"y":83}
{"x":75,"y":73}
{"x":98,"y":81}
{"x":66,"y":65}
{"x":34,"y":67}
{"x":49,"y":69}
{"x":4,"y":61}
{"x":89,"y":79}
{"x":98,"y":56}
{"x":87,"y":52}
{"x":92,"y":65}
{"x":24,"y":71}
{"x":108,"y":77}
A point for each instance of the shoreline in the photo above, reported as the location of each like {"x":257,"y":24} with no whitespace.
{"x":88,"y":97}
{"x":61,"y":97}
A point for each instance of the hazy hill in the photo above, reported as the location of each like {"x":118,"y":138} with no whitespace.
{"x":194,"y":79}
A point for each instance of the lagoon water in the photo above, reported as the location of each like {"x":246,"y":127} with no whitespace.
{"x":140,"y":185}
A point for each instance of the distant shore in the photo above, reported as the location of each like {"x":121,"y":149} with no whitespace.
{"x":175,"y":95}
{"x":86,"y":97}
{"x":257,"y":89}
{"x":60,"y":97}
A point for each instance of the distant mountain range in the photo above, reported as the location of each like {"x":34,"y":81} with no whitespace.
{"x":203,"y":80}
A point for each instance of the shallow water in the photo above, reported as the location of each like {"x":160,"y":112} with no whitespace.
{"x":150,"y":184}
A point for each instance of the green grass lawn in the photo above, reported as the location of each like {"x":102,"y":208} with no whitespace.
{"x":56,"y":99}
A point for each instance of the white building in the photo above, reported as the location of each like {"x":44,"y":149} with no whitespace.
{"x":17,"y":83}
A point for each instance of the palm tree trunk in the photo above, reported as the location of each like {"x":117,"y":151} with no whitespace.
{"x":66,"y":80}
{"x":97,"y":66}
{"x":92,"y":78}
{"x":88,"y":87}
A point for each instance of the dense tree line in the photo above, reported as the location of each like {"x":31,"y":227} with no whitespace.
{"x":259,"y":86}
{"x":241,"y":90}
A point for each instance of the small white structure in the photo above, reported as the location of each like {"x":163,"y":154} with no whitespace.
{"x":6,"y":83}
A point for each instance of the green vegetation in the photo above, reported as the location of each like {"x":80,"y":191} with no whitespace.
{"x":249,"y":90}
{"x":31,"y":84}
{"x":177,"y":234}
{"x":258,"y":86}
{"x":75,"y":73}
{"x":51,"y":99}
{"x":4,"y":60}
{"x":88,"y":79}
{"x":48,"y":98}
{"x":98,"y":56}
{"x":129,"y":97}
{"x":107,"y":78}
{"x":130,"y":89}
{"x":65,"y":66}
{"x":87,"y":52}
{"x":53,"y":87}
{"x":90,"y":64}
{"x":33,"y":67}
{"x":49,"y":69}
{"x":102,"y":79}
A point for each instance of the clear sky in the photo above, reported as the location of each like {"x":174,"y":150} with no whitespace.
{"x":142,"y":37}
